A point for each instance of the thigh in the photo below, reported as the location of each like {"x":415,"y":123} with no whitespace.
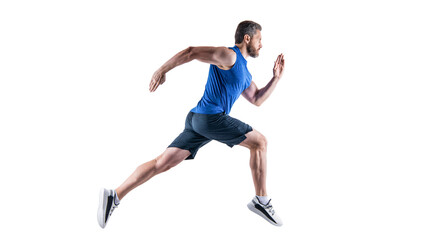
{"x":173,"y":156}
{"x":221,"y":127}
{"x":190,"y":141}
{"x":170,"y":158}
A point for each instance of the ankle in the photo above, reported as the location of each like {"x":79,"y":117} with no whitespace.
{"x":116,"y":198}
{"x":263,"y":199}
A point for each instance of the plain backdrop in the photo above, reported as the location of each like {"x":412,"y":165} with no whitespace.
{"x":346,"y":125}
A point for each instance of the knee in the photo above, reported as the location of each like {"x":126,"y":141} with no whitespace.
{"x":163,"y":163}
{"x":160,"y":164}
{"x":260,"y":143}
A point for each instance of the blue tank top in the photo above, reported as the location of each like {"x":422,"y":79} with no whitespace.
{"x":224,"y":86}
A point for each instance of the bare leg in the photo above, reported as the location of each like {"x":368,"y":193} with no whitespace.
{"x":168,"y":159}
{"x":257,"y":144}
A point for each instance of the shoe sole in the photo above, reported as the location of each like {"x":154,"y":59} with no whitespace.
{"x":103,"y":195}
{"x":253,"y":209}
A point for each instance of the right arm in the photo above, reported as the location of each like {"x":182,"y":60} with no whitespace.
{"x":220,"y":56}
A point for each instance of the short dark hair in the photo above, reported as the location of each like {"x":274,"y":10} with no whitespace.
{"x":246,"y":27}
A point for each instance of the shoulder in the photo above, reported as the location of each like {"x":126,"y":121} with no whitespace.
{"x":226,"y":53}
{"x":223,"y":57}
{"x":227,"y":57}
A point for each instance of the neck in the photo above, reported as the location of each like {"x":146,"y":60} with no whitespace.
{"x":243,"y":50}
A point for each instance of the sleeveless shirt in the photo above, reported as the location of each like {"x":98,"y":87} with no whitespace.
{"x":224,"y":87}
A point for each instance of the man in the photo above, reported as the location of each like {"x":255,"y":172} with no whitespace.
{"x":209,"y":120}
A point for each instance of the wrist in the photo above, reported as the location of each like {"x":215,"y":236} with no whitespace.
{"x":162,"y":70}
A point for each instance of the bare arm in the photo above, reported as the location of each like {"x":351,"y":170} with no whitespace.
{"x":258,"y":96}
{"x":220,"y":56}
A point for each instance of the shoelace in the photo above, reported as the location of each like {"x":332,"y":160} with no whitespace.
{"x":113,"y":206}
{"x":112,"y":209}
{"x":270,"y":209}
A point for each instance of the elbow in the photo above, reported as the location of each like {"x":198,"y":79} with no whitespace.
{"x":257,"y":103}
{"x":189,"y":53}
{"x":256,"y":100}
{"x":189,"y":50}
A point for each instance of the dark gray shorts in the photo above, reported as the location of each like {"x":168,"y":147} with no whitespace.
{"x":202,"y":128}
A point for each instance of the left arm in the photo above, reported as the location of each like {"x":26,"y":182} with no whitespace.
{"x":258,"y":96}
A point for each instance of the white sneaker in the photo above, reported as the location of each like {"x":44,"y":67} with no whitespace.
{"x":106,"y":206}
{"x":265,"y":211}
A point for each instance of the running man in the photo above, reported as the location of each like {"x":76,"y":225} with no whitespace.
{"x":209,"y":120}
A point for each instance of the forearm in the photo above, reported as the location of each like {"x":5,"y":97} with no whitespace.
{"x":180,"y":58}
{"x":265,"y":92}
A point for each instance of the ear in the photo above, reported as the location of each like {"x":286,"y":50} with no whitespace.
{"x":247,"y":38}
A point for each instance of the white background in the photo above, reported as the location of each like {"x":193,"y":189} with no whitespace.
{"x":346,"y":125}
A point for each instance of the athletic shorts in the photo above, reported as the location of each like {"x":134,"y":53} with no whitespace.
{"x":202,"y":128}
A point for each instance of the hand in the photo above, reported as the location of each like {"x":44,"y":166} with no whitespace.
{"x":279,"y":66}
{"x":157,"y":79}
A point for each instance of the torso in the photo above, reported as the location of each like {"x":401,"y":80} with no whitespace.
{"x":224,"y":86}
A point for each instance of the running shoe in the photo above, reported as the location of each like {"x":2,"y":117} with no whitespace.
{"x":106,"y":206}
{"x":266,"y":211}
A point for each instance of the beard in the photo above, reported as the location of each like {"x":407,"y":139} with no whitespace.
{"x":252,"y":51}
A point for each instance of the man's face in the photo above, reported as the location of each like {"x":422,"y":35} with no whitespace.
{"x":254,"y":45}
